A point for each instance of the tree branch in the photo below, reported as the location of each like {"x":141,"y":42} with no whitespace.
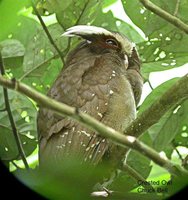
{"x":177,"y":93}
{"x":48,"y":33}
{"x":11,"y":119}
{"x":93,"y":124}
{"x":165,"y":15}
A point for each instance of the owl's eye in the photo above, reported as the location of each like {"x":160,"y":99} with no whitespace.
{"x":112,"y":42}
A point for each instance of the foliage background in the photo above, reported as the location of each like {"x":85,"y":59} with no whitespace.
{"x":29,"y":56}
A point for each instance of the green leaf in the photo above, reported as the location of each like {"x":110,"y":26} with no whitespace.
{"x":71,"y":12}
{"x":138,"y":161}
{"x":9,"y":17}
{"x":164,"y":132}
{"x":12,"y":52}
{"x":56,"y":5}
{"x":105,"y":20}
{"x":23,"y":111}
{"x":155,"y":94}
{"x":41,"y":65}
{"x":181,"y":138}
{"x":25,"y":31}
{"x":163,"y":49}
{"x":129,"y":31}
{"x":141,"y":164}
{"x":165,"y":64}
{"x":108,"y":3}
{"x":8,"y":146}
{"x":12,"y":48}
{"x":24,"y":115}
{"x":146,"y":20}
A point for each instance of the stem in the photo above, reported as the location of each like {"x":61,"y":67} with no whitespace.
{"x":93,"y":124}
{"x":150,"y":84}
{"x":133,"y":173}
{"x":36,"y":67}
{"x":81,"y":14}
{"x":48,"y":33}
{"x":11,"y":119}
{"x":177,"y":7}
{"x":165,"y":15}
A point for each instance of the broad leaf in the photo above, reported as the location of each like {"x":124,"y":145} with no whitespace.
{"x":9,"y":17}
{"x":24,"y":115}
{"x":155,"y":94}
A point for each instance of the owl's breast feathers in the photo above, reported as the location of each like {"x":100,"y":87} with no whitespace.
{"x":98,"y":85}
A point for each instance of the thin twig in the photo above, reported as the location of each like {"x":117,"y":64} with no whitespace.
{"x":177,"y":7}
{"x":82,"y":12}
{"x":36,"y":67}
{"x":11,"y":119}
{"x":15,"y":165}
{"x":46,"y":61}
{"x":180,"y":156}
{"x":150,"y":84}
{"x":47,"y":32}
{"x":95,"y":125}
{"x":165,"y":15}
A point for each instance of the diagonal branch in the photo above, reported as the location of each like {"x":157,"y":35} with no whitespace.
{"x":11,"y":119}
{"x":177,"y":93}
{"x":165,"y":15}
{"x":82,"y":12}
{"x":48,"y":33}
{"x":93,"y":124}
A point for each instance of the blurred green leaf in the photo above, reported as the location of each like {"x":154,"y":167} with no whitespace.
{"x":123,"y":181}
{"x":12,"y":48}
{"x":105,"y":20}
{"x":108,"y":3}
{"x":9,"y":17}
{"x":25,"y":31}
{"x":72,"y":12}
{"x":68,"y":180}
{"x":12,"y":52}
{"x":24,"y":114}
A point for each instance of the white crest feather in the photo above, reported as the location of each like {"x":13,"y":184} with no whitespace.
{"x":84,"y":30}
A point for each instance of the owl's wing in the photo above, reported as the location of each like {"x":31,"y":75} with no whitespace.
{"x":136,"y":82}
{"x":86,"y":86}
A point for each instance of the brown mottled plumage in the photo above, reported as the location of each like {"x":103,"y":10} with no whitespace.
{"x":102,"y":78}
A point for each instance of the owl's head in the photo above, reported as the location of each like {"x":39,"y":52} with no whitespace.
{"x":105,"y":40}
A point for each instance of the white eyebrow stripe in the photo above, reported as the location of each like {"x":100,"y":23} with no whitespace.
{"x":86,"y":30}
